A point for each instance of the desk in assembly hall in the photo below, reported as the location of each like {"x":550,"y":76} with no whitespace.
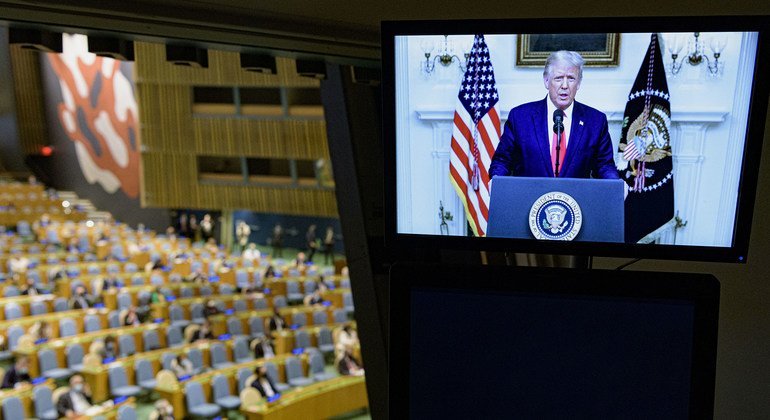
{"x":52,"y":319}
{"x":24,"y":303}
{"x":317,"y":401}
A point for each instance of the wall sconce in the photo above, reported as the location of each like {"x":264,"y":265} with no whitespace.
{"x":445,"y":54}
{"x":695,"y":54}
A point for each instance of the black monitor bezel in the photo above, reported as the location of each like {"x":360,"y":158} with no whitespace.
{"x":703,"y":290}
{"x":760,"y":91}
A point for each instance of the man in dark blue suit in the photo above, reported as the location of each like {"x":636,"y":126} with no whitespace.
{"x":528,"y":146}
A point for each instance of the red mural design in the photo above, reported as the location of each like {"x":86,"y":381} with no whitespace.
{"x":98,"y":112}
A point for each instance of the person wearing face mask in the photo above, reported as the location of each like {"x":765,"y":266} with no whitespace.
{"x":17,"y":374}
{"x":110,"y":348}
{"x":262,"y":383}
{"x":77,"y":401}
{"x":80,"y":300}
{"x":211,"y":309}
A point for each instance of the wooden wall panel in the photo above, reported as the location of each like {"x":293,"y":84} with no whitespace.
{"x":28,"y":92}
{"x":172,"y":137}
{"x":172,"y":181}
{"x":224,"y":70}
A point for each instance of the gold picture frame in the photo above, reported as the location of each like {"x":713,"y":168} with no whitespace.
{"x":599,"y":50}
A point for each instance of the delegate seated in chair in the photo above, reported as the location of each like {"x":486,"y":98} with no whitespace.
{"x":76,"y":401}
{"x":17,"y":374}
{"x":202,"y":333}
{"x":348,"y":365}
{"x":80,"y":300}
{"x":40,"y":330}
{"x":263,"y":348}
{"x":262,"y":382}
{"x":314,"y":298}
{"x":182,"y":366}
{"x":277,"y":323}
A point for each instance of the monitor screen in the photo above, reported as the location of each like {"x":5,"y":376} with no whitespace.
{"x":639,"y":139}
{"x":497,"y":343}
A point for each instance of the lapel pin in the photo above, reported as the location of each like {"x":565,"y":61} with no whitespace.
{"x":581,"y":122}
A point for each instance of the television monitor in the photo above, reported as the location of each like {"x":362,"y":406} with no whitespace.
{"x":658,"y":150}
{"x":506,"y":342}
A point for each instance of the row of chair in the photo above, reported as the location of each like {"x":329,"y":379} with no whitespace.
{"x":45,"y":406}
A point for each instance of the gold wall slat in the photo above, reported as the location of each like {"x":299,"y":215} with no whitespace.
{"x":28,"y":93}
{"x":172,"y":137}
{"x":224,"y":70}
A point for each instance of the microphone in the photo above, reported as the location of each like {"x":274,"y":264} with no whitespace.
{"x":558,"y":128}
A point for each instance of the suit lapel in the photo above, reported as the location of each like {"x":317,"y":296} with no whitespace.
{"x":539,"y":120}
{"x":575,"y":135}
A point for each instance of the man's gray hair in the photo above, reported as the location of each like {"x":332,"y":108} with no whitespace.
{"x":570,"y":57}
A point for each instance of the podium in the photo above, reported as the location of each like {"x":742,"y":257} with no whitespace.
{"x":556,"y":209}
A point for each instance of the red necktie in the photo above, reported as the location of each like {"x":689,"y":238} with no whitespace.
{"x":562,"y":152}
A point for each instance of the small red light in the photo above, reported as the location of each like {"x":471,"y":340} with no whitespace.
{"x":46,"y":150}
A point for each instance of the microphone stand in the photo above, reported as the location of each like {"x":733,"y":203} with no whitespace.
{"x":558,"y":128}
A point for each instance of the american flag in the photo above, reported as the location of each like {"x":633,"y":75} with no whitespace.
{"x":475,"y":136}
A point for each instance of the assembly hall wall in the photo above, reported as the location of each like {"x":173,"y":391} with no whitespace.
{"x":183,"y":128}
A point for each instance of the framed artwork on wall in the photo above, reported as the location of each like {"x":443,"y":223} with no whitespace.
{"x":599,"y":50}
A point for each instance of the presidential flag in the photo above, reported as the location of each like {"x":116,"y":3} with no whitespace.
{"x":475,"y":136}
{"x":645,"y":145}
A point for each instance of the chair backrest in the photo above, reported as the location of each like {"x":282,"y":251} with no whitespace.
{"x":194,"y":394}
{"x":241,"y":348}
{"x":196,"y":357}
{"x":43,"y":400}
{"x":272,"y":371}
{"x":260,"y":303}
{"x":11,"y":291}
{"x":186,"y":292}
{"x":156,"y":279}
{"x":174,"y":336}
{"x":240,"y":305}
{"x":293,"y":368}
{"x":12,"y":408}
{"x":130,"y":268}
{"x":137,"y":280}
{"x":74,"y":354}
{"x":38,"y":308}
{"x":60,"y":305}
{"x":12,"y":311}
{"x":325,"y":336}
{"x":226,"y":289}
{"x":320,"y":318}
{"x":175,"y":313}
{"x":126,"y":412}
{"x":127,"y":345}
{"x":47,"y":360}
{"x":339,"y":315}
{"x":316,"y":362}
{"x":117,"y":377}
{"x":151,"y":340}
{"x":347,"y":299}
{"x":301,"y":339}
{"x":299,"y":318}
{"x":113,"y":318}
{"x":124,"y":300}
{"x":143,"y":370}
{"x":92,"y":323}
{"x":345,"y":283}
{"x":234,"y":326}
{"x":243,"y":375}
{"x":165,"y":360}
{"x":93,"y":269}
{"x":14,"y":334}
{"x":196,"y":310}
{"x":241,"y":277}
{"x":67,"y":327}
{"x":279,"y":301}
{"x":220,"y":386}
{"x":205,"y":291}
{"x":256,"y":325}
{"x":292,"y":286}
{"x":310,"y":287}
{"x":218,"y":353}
